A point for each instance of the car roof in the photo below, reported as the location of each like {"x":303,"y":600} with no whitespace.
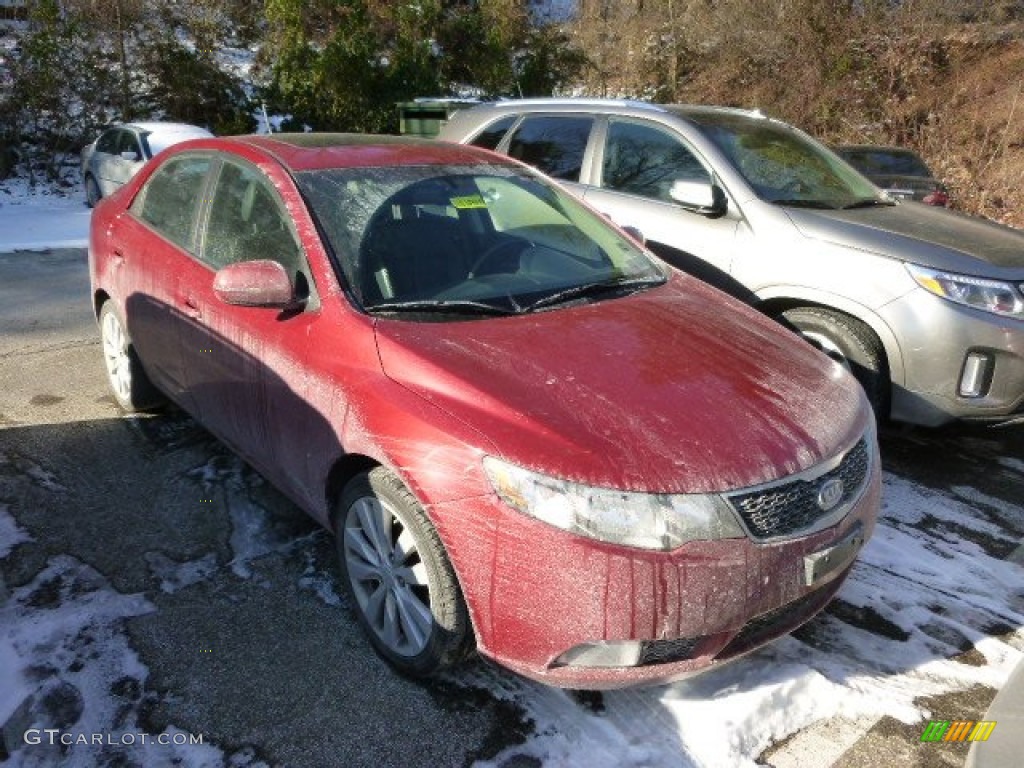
{"x":614,"y":106}
{"x":316,"y":151}
{"x":155,"y":126}
{"x":160,"y":127}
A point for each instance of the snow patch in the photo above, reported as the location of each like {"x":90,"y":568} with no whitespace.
{"x":39,"y":476}
{"x":175,"y":576}
{"x":318,"y":582}
{"x":253,"y":533}
{"x":38,"y":220}
{"x":1017,"y":465}
{"x":11,"y":535}
{"x":66,"y":664}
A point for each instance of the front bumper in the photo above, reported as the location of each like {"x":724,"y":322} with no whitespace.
{"x":936,"y":339}
{"x":536,"y":592}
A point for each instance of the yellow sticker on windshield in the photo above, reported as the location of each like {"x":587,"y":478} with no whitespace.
{"x":469,"y":201}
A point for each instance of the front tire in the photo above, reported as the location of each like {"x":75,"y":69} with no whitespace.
{"x":396,"y":572}
{"x":92,"y":192}
{"x":850,"y":343}
{"x":128,"y":381}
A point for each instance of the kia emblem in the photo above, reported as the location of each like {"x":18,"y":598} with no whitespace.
{"x":830,"y":493}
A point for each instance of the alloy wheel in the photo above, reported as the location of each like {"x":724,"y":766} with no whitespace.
{"x":388,"y":576}
{"x":116,"y":356}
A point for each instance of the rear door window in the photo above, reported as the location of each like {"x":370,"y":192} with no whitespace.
{"x":171,"y":198}
{"x":553,"y":143}
{"x":643,"y":160}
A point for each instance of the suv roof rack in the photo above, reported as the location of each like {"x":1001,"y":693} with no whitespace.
{"x":583,"y":102}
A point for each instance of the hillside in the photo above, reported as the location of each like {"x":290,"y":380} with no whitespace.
{"x":944,"y":78}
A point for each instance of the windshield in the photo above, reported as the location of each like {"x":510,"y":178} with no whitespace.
{"x":885,"y":162}
{"x":783,"y":165}
{"x":479,"y":239}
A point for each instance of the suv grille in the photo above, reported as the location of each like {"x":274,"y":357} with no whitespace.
{"x":792,"y":506}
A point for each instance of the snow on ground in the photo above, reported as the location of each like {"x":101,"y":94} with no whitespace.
{"x":36,"y":220}
{"x":65,"y":663}
{"x":11,"y":535}
{"x":65,"y":660}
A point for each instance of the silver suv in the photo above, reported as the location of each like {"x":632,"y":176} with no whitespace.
{"x":924,"y":305}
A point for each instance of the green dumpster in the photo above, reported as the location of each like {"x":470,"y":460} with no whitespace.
{"x":425,"y":117}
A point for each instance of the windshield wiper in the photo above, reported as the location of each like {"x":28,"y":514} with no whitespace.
{"x":455,"y":306}
{"x":594,"y":289}
{"x":869,"y":202}
{"x":799,"y":203}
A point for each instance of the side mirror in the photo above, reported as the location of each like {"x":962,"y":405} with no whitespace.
{"x":698,"y":196}
{"x":260,"y":283}
{"x":130,"y":156}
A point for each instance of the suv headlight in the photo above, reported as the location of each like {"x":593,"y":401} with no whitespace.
{"x":997,"y":296}
{"x":642,"y":520}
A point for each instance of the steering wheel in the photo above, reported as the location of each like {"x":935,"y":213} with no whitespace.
{"x":501,"y":247}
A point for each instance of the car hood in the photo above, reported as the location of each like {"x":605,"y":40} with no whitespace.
{"x":678,"y":389}
{"x":921,"y":234}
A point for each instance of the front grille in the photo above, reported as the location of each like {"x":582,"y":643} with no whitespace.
{"x":789,"y":507}
{"x":667,"y":651}
{"x":784,"y":619}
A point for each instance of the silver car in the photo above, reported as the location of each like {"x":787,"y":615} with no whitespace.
{"x":924,"y":305}
{"x":120,"y":151}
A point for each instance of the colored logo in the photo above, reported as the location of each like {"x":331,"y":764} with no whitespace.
{"x":958,"y":730}
{"x":830,"y":493}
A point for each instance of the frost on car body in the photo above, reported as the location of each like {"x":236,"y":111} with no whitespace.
{"x":523,"y":429}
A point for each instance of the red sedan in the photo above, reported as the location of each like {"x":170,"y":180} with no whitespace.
{"x":525,"y":432}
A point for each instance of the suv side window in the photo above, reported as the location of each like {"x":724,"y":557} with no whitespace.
{"x":170,"y":199}
{"x":108,"y":142}
{"x":248,"y":221}
{"x":644,"y":160}
{"x":491,"y":136}
{"x":128,"y":143}
{"x":554,"y":144}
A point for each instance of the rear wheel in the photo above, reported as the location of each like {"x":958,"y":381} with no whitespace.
{"x":850,"y":343}
{"x":396,"y":571}
{"x":92,"y":192}
{"x":128,"y":381}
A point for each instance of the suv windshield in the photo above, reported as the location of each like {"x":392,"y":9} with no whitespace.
{"x":468,"y":240}
{"x":783,"y":165}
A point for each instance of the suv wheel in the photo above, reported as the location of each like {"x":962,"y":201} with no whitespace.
{"x":850,"y":343}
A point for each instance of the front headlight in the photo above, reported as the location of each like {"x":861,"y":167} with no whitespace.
{"x":996,"y":296}
{"x":643,"y":520}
